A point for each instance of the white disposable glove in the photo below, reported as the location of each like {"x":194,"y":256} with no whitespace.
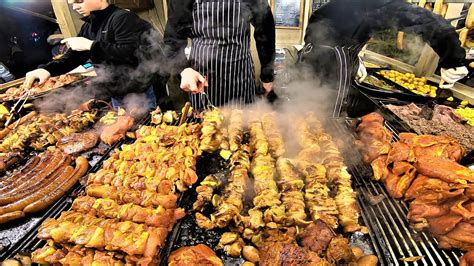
{"x":449,"y":76}
{"x":78,"y":43}
{"x":361,"y":71}
{"x":192,"y":81}
{"x":41,"y":74}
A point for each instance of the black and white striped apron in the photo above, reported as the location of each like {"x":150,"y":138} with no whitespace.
{"x":221,"y":52}
{"x":347,"y":62}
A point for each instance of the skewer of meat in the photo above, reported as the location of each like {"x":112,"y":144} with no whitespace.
{"x":107,"y":208}
{"x":99,"y":233}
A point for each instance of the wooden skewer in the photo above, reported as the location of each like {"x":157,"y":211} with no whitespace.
{"x":12,"y":83}
{"x":184,"y":115}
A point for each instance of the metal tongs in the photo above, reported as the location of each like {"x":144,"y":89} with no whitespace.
{"x":17,"y":107}
{"x":201,"y":87}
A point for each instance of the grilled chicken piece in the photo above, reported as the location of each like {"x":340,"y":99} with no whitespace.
{"x":78,"y":142}
{"x":339,"y":251}
{"x":462,"y":237}
{"x":113,"y":133}
{"x":467,"y":259}
{"x":399,"y":180}
{"x":443,"y":169}
{"x":277,"y":253}
{"x":194,"y":255}
{"x":379,"y":167}
{"x":317,"y":236}
{"x":424,"y":185}
{"x":374,"y":138}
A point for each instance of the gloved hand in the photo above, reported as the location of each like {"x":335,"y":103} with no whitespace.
{"x":449,"y":76}
{"x":361,"y":71}
{"x":268,"y":87}
{"x":78,"y":43}
{"x":40,"y":73}
{"x":192,"y":81}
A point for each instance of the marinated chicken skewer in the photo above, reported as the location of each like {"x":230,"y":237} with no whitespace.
{"x":338,"y":175}
{"x":267,"y":206}
{"x":74,"y":256}
{"x":211,"y":137}
{"x":123,"y":196}
{"x":231,"y":202}
{"x":273,"y":135}
{"x":205,"y":191}
{"x":320,"y":204}
{"x":291,"y":186}
{"x":235,"y":129}
{"x":85,"y":230}
{"x":107,"y":208}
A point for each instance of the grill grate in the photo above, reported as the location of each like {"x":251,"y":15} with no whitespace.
{"x":20,"y":235}
{"x":393,"y":238}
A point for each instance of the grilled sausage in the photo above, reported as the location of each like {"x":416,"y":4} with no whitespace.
{"x":82,"y":165}
{"x":30,"y":165}
{"x":34,"y":187}
{"x":44,"y":161}
{"x":21,"y":204}
{"x":40,"y":179}
{"x":4,"y":218}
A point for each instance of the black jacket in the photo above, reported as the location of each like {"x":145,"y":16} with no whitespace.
{"x":180,"y":21}
{"x":353,"y":22}
{"x":125,"y":52}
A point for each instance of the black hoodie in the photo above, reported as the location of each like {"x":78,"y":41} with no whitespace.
{"x":123,"y":42}
{"x":353,"y":22}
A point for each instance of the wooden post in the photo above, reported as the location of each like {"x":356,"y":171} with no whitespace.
{"x":64,"y":17}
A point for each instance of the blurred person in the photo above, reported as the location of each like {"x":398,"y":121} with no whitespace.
{"x":338,"y":30}
{"x":220,"y":62}
{"x":119,"y":45}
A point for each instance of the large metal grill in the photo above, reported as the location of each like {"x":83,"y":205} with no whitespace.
{"x":393,"y":238}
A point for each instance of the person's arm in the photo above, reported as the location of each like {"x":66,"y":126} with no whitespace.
{"x":177,"y":31}
{"x":262,"y":20}
{"x":69,"y":61}
{"x":434,"y":29}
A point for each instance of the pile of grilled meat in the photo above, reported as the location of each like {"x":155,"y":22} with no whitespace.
{"x":299,"y":191}
{"x":51,"y":84}
{"x":424,"y":170}
{"x":129,"y":205}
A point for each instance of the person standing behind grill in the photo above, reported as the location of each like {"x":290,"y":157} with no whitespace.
{"x":338,"y":30}
{"x":118,"y":42}
{"x":220,"y":57}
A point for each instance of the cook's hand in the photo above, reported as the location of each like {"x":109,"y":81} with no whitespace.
{"x":449,"y":76}
{"x":41,"y":74}
{"x":78,"y":43}
{"x":361,"y":71}
{"x":268,"y":87}
{"x":192,"y":81}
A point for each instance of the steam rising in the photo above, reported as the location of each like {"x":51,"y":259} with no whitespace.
{"x":120,"y":81}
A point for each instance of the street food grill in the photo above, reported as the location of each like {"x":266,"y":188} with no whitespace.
{"x":130,"y":204}
{"x":15,"y":93}
{"x":424,"y":170}
{"x":249,"y":211}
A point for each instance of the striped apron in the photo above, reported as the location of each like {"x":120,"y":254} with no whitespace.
{"x":221,"y":52}
{"x":347,"y":64}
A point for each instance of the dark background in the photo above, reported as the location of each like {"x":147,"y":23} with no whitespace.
{"x":31,"y":48}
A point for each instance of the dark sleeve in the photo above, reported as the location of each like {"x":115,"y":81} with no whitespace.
{"x":69,"y":61}
{"x":434,"y":30}
{"x":177,"y":31}
{"x":262,"y":20}
{"x":128,"y":28}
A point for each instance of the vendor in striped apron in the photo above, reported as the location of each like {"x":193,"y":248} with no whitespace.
{"x":220,"y":63}
{"x":338,"y":30}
